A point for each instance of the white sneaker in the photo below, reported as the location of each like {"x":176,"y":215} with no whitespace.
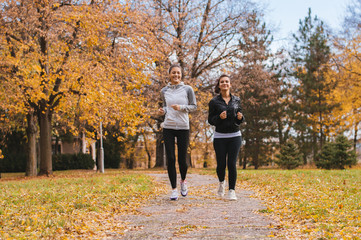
{"x":232,"y":195}
{"x":174,"y":195}
{"x":184,"y":188}
{"x":221,"y":188}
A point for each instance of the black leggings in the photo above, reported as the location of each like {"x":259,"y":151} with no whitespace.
{"x":227,"y":147}
{"x":182,"y":136}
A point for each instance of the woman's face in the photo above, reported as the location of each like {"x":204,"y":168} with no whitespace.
{"x":224,"y":83}
{"x":175,"y":75}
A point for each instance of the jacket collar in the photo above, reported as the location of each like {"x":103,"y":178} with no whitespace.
{"x":220,"y":97}
{"x":175,"y":86}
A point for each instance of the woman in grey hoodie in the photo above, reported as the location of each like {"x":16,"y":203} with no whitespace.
{"x":178,"y":100}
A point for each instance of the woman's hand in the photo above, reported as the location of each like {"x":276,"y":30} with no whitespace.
{"x":161,"y":111}
{"x":239,"y":116}
{"x":223,"y":115}
{"x":176,"y":107}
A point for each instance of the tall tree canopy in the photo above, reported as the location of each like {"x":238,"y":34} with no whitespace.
{"x":57,"y":53}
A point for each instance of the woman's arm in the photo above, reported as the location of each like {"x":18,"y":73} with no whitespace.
{"x":213,"y":116}
{"x":239,"y":110}
{"x":192,"y":103}
{"x":163,"y":110}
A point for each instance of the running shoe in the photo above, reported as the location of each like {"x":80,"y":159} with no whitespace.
{"x":184,"y":188}
{"x":174,"y":195}
{"x":232,"y":195}
{"x":221,"y":188}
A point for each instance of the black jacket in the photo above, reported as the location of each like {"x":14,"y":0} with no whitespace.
{"x":216,"y":106}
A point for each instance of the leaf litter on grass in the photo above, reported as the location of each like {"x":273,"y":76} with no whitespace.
{"x":68,"y":206}
{"x":310,"y":204}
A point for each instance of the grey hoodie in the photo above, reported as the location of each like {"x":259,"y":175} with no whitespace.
{"x":182,"y":95}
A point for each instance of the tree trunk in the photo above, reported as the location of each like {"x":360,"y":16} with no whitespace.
{"x":245,"y":159}
{"x":314,"y":144}
{"x":147,"y":150}
{"x":355,"y":137}
{"x":130,"y":161}
{"x":246,"y":148}
{"x":255,"y":151}
{"x":280,"y":134}
{"x":46,"y":166}
{"x":304,"y":151}
{"x":206,"y":156}
{"x":159,"y":151}
{"x":31,"y":164}
{"x":256,"y":156}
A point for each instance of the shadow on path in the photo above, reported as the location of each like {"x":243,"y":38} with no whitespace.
{"x":200,"y":215}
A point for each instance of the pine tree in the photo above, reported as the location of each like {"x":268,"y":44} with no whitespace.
{"x":336,"y":155}
{"x":310,"y":56}
{"x":258,"y":88}
{"x":289,"y":157}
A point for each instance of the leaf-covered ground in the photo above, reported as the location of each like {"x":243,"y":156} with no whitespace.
{"x":306,"y":204}
{"x":80,"y":204}
{"x":310,"y":204}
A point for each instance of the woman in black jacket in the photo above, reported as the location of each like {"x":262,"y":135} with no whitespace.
{"x":225,"y":113}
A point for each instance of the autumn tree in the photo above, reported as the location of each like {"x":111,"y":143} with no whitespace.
{"x":345,"y":72}
{"x":58,"y":53}
{"x":310,"y":57}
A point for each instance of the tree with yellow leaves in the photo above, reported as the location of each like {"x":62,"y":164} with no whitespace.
{"x":346,"y":73}
{"x":68,"y":56}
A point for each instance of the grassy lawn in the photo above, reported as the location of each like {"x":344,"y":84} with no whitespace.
{"x":71,"y":204}
{"x":309,"y":204}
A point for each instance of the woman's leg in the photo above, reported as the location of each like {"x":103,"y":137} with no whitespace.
{"x":182,"y":144}
{"x":220,"y":148}
{"x":233,"y":147}
{"x":169,"y":141}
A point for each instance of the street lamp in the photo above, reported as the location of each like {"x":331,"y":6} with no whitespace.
{"x":101,"y":160}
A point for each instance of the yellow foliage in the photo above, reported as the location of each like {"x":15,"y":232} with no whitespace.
{"x":84,"y":73}
{"x":346,"y":73}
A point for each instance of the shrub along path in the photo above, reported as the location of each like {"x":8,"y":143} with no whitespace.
{"x":200,"y":215}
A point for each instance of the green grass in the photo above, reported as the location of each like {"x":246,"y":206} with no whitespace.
{"x":70,"y":204}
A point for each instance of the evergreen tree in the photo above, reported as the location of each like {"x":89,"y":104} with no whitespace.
{"x":258,"y":90}
{"x":310,"y":58}
{"x":344,"y":156}
{"x":326,"y":157}
{"x":336,"y":155}
{"x":289,"y":157}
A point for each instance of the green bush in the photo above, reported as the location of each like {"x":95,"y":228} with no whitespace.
{"x":14,"y":152}
{"x":112,"y":151}
{"x":72,"y":161}
{"x":336,"y":155}
{"x":289,"y":157}
{"x":13,"y":161}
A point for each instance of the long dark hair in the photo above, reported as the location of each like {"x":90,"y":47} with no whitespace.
{"x":217,"y":89}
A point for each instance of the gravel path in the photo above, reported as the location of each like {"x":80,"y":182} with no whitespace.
{"x":200,"y":215}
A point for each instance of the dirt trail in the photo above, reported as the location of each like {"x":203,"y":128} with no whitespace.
{"x":200,"y":215}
